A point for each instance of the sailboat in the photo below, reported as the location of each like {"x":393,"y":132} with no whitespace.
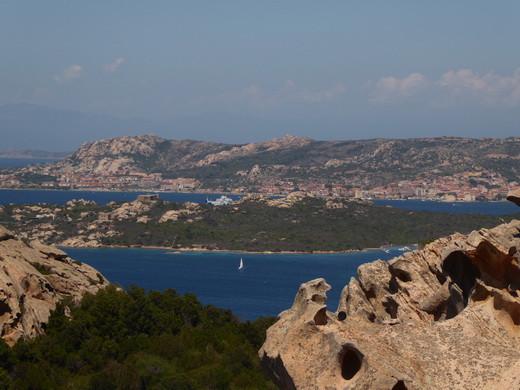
{"x":241,"y":266}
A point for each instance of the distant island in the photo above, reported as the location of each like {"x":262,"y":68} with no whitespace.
{"x":299,"y":222}
{"x":445,"y":168}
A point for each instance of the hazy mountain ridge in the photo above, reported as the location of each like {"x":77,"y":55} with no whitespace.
{"x":13,"y":153}
{"x":373,"y":162}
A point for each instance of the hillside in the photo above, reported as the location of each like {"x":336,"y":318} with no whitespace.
{"x":363,"y":163}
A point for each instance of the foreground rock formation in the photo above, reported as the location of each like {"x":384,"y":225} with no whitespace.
{"x":33,"y":279}
{"x":514,"y":196}
{"x":444,"y":317}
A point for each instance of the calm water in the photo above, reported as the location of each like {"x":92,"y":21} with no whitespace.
{"x":494,"y":208}
{"x":266,"y":286}
{"x":104,"y":197}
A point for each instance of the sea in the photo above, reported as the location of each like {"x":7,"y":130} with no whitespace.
{"x":268,"y":283}
{"x":265,"y":286}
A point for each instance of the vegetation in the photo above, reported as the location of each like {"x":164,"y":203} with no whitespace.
{"x":137,"y":340}
{"x":307,"y":226}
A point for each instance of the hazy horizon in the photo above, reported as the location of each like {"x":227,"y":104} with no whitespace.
{"x":240,"y":72}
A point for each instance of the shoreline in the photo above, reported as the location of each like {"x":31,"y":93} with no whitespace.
{"x":238,"y":194}
{"x":181,"y":250}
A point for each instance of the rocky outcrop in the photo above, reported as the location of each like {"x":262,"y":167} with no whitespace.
{"x":514,"y":196}
{"x":443,"y":317}
{"x":290,"y":200}
{"x":33,"y":279}
{"x":187,"y":209}
{"x":130,"y":210}
{"x":280,"y":144}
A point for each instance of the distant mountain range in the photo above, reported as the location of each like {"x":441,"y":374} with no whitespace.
{"x":29,"y":126}
{"x":356,"y":163}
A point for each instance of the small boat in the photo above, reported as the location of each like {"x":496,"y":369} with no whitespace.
{"x":241,"y":266}
{"x":386,"y":250}
{"x":404,"y":248}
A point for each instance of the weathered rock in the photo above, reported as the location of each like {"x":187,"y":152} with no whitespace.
{"x":33,"y":279}
{"x":130,"y":210}
{"x":290,"y":200}
{"x":143,"y":219}
{"x":173,"y":215}
{"x":443,"y":317}
{"x":79,"y":202}
{"x":514,"y":196}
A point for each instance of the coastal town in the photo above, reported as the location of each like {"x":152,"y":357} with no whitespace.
{"x":478,"y":185}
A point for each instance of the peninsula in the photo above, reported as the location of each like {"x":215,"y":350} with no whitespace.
{"x":298,"y":222}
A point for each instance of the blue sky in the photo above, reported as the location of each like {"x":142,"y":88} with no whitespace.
{"x":326,"y":70}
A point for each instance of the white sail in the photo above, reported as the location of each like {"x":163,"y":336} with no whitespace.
{"x":241,"y":266}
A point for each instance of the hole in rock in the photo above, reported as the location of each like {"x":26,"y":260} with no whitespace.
{"x":4,"y":308}
{"x":319,"y":298}
{"x":402,"y":275}
{"x":391,"y":307}
{"x":462,"y":272}
{"x":400,"y":386}
{"x":320,"y":318}
{"x":511,"y":308}
{"x":371,"y":295}
{"x":393,"y":286}
{"x":342,"y":316}
{"x":351,"y":361}
{"x":440,"y":277}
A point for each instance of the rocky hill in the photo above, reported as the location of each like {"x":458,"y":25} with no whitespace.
{"x":444,"y":317}
{"x":33,"y":279}
{"x":361,"y":162}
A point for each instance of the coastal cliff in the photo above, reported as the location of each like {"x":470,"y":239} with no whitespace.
{"x":443,"y":317}
{"x":33,"y":278}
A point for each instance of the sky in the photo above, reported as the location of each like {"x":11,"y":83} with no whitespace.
{"x":247,"y":71}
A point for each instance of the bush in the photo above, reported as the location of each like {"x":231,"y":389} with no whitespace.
{"x":134,"y":339}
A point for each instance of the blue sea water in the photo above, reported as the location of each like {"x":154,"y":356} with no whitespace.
{"x":265,"y":287}
{"x":104,"y":197}
{"x":493,"y":208}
